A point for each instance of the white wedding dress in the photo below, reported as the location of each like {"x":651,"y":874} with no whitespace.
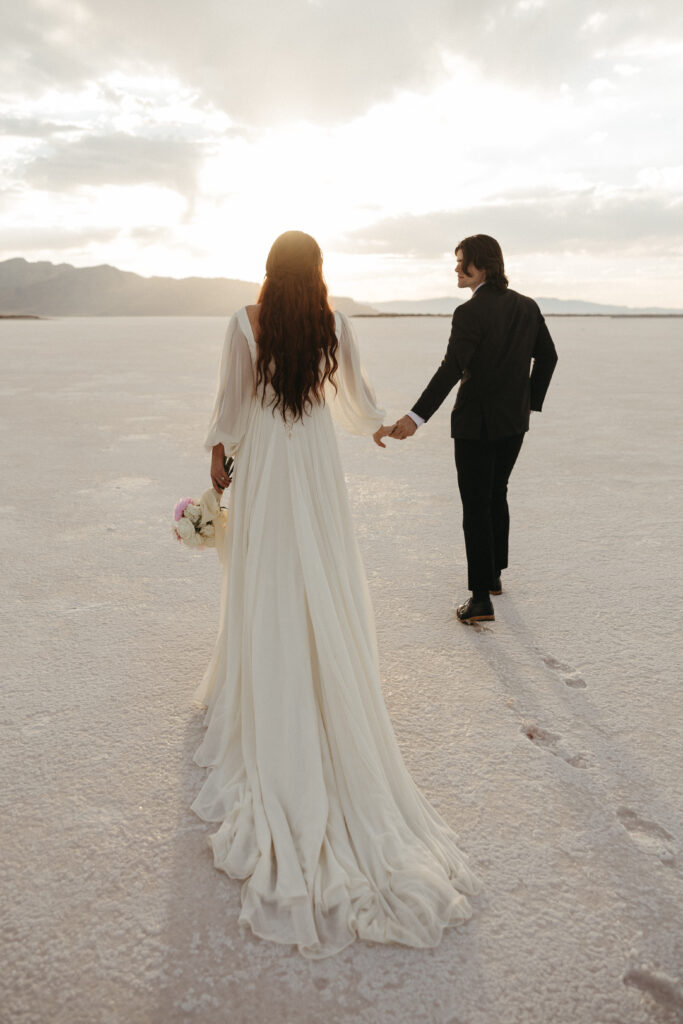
{"x":317,"y":811}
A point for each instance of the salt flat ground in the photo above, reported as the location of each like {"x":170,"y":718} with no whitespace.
{"x":551,"y":739}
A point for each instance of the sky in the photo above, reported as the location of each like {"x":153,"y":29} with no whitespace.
{"x":180,"y":139}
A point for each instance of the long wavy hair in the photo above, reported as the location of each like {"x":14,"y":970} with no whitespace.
{"x":486,"y":254}
{"x":297,"y":343}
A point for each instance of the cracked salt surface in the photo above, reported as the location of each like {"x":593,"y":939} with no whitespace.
{"x":550,"y":739}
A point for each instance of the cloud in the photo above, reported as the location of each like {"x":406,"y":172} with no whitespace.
{"x":326,"y":60}
{"x":31,"y":127}
{"x":115,"y":159}
{"x":542,"y":221}
{"x":30,"y":240}
{"x":175,"y":138}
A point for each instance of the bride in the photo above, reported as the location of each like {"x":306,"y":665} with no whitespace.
{"x":316,"y":810}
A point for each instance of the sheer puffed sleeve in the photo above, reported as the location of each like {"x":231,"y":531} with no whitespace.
{"x":234,"y":393}
{"x":354,"y":406}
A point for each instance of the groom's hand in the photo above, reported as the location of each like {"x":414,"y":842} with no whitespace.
{"x":403,"y":428}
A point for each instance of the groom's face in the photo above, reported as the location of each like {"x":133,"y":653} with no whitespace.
{"x":472,"y":278}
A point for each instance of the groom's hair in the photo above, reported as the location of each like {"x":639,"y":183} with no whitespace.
{"x":486,"y":254}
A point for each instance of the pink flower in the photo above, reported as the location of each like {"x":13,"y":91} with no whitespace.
{"x":180,"y":508}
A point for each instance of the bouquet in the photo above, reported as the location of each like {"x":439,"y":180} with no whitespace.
{"x":201,"y":524}
{"x":194,"y":522}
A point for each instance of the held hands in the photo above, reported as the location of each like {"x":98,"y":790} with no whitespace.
{"x":403,"y":428}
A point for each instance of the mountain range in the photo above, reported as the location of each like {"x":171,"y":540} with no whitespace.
{"x":49,"y":289}
{"x":548,"y":306}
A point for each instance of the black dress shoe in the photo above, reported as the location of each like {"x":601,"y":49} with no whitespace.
{"x":496,"y":587}
{"x":476,"y":611}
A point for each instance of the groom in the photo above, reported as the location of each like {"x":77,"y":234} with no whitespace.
{"x":495,"y":335}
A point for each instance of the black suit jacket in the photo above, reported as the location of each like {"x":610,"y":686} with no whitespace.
{"x":494,"y":338}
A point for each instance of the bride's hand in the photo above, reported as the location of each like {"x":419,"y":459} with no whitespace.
{"x":219,"y":478}
{"x":382,"y":432}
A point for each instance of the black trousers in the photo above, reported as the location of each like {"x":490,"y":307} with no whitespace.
{"x":484,"y":469}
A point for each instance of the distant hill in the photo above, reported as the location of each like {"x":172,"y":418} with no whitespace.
{"x":420,"y":306}
{"x":58,"y":289}
{"x":446,"y":305}
{"x":49,"y":289}
{"x":598,"y":309}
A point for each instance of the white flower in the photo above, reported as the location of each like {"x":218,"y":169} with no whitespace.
{"x":207,"y":531}
{"x":195,"y":541}
{"x":185,"y":530}
{"x":193,"y":513}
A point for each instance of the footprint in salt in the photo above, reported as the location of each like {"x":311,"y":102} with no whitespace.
{"x":666,"y":991}
{"x":570,"y":676}
{"x":550,"y":741}
{"x":649,"y":836}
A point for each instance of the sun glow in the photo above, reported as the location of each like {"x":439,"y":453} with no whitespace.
{"x":141,"y":172}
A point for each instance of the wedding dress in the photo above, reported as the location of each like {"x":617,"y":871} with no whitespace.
{"x":317,"y":811}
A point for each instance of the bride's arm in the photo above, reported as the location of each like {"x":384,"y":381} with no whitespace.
{"x":234,"y":393}
{"x":354,"y":406}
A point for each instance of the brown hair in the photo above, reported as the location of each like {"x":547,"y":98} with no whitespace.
{"x":297,"y":343}
{"x":486,"y":254}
